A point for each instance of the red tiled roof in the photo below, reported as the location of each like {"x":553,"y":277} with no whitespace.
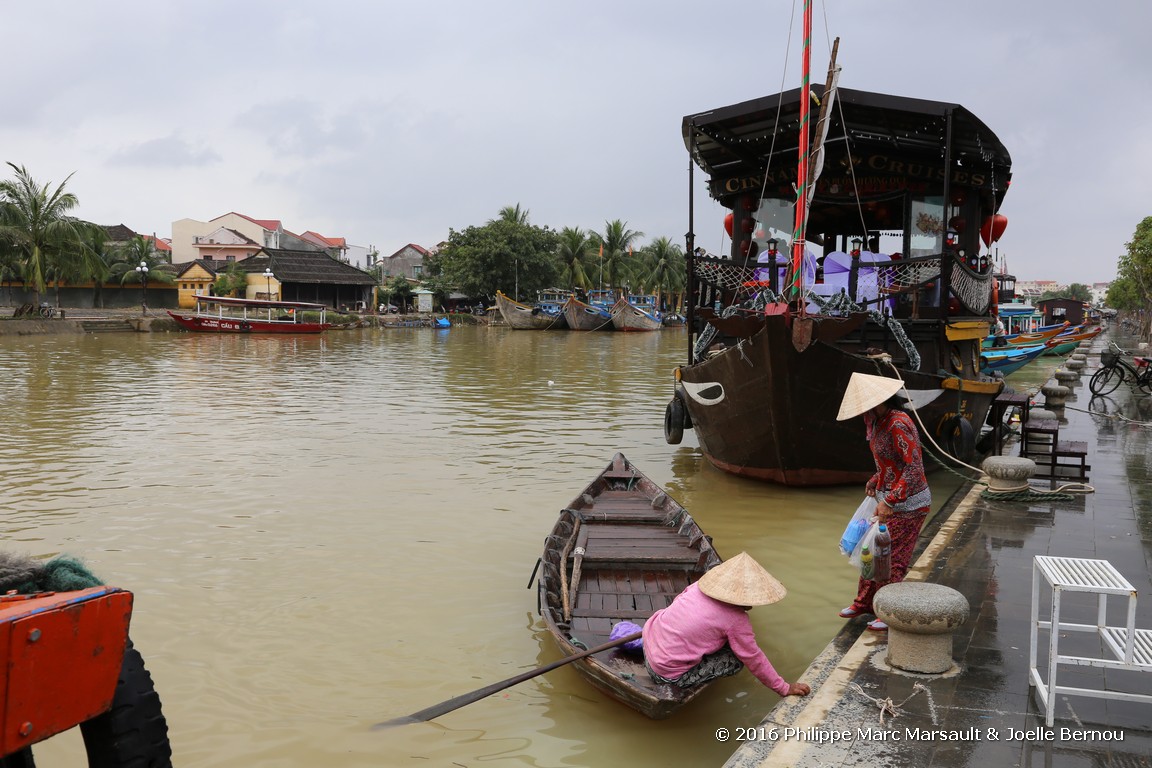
{"x":157,"y":243}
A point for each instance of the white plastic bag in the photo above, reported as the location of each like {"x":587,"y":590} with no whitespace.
{"x":858,"y":525}
{"x":865,"y":541}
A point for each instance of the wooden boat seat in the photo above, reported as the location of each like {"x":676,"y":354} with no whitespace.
{"x":646,"y":545}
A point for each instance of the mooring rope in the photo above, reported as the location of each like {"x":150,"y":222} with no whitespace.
{"x":892,"y":709}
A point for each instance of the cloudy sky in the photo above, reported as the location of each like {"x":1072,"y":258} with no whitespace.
{"x":390,"y":122}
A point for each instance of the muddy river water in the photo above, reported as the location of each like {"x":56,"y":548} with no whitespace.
{"x":322,"y":533}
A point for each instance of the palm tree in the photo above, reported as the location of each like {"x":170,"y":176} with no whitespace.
{"x":137,"y":252}
{"x":514,"y":214}
{"x":81,"y":262}
{"x":96,"y":245}
{"x":617,"y":243}
{"x":666,"y":270}
{"x":36,"y":225}
{"x":574,"y":250}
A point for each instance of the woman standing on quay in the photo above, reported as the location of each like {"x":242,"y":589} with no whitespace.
{"x":899,"y":485}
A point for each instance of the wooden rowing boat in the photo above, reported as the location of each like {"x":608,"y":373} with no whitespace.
{"x":620,"y":551}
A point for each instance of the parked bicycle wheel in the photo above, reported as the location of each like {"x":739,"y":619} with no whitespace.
{"x":1106,"y":380}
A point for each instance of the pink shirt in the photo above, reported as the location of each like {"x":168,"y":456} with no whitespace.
{"x":694,"y":625}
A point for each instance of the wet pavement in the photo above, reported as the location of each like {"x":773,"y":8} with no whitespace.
{"x":983,"y":712}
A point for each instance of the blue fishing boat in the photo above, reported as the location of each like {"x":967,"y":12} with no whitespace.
{"x":637,"y":312}
{"x":592,"y":315}
{"x":1008,"y":360}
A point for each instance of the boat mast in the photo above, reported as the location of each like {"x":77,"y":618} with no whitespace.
{"x":690,"y":236}
{"x":802,"y":160}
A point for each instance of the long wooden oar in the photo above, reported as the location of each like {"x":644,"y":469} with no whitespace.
{"x":444,"y":707}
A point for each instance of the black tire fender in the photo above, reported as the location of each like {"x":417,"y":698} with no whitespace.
{"x":674,"y":414}
{"x":133,"y":732}
{"x":959,"y":437}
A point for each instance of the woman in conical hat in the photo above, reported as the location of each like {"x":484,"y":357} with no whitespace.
{"x":899,"y":485}
{"x":705,"y":633}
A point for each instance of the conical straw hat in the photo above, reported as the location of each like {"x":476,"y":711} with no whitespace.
{"x":866,"y":391}
{"x":742,"y":581}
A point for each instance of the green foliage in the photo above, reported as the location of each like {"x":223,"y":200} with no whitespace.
{"x":1132,"y":289}
{"x":231,"y":282}
{"x":619,"y":262}
{"x":501,"y":255}
{"x":578,"y":259}
{"x":1074,"y":291}
{"x":37,"y":233}
{"x":663,"y":270}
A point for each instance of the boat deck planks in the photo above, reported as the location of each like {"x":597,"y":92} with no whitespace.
{"x":632,"y":549}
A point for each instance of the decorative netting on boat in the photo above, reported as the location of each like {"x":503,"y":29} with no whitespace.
{"x":838,"y":304}
{"x":974,"y":289}
{"x":874,"y":279}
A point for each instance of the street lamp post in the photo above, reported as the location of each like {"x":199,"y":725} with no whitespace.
{"x":142,"y":270}
{"x":268,"y":283}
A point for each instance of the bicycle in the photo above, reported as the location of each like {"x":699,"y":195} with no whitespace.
{"x":1114,"y":370}
{"x":47,"y":310}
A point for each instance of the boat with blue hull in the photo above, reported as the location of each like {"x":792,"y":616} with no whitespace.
{"x":542,"y":316}
{"x":1006,"y":360}
{"x":637,"y":312}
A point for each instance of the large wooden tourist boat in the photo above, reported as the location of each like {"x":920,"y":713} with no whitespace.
{"x":620,"y":551}
{"x":224,"y":314}
{"x":546,"y":316}
{"x":879,"y":270}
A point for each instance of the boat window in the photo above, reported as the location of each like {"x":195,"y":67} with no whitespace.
{"x":927,"y":226}
{"x":775,"y":219}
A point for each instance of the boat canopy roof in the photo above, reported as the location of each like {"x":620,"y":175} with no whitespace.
{"x":232,"y":301}
{"x":762,"y":133}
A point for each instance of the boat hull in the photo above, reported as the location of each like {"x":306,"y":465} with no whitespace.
{"x":522,"y":317}
{"x":627,"y":317}
{"x":620,"y":551}
{"x":582,"y":316}
{"x":767,"y":411}
{"x":210,"y":324}
{"x":1006,"y":360}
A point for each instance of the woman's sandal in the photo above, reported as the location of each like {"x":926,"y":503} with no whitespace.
{"x":877,"y":626}
{"x":849,"y":613}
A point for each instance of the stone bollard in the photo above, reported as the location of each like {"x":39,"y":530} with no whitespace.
{"x":1076,"y":366}
{"x":1079,"y":356}
{"x":920,"y":619}
{"x":1055,"y":396}
{"x":1065,"y":376}
{"x":1008,"y":473}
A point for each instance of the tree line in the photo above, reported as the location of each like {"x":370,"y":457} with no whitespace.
{"x":1131,"y":291}
{"x":512,"y":255}
{"x":42,"y":244}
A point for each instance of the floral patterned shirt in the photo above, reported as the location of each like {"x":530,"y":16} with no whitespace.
{"x":899,"y":478}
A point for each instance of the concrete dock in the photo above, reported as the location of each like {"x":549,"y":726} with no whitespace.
{"x":983,"y":712}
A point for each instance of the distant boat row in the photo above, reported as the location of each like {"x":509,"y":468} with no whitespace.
{"x":603,"y":311}
{"x":1022,"y":348}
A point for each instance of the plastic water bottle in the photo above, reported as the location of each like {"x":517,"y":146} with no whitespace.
{"x":882,"y":558}
{"x":866,"y":566}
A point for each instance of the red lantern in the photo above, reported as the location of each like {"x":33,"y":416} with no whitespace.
{"x":992,"y":228}
{"x":747,"y":224}
{"x":728,"y":224}
{"x":957,"y":224}
{"x":959,"y":197}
